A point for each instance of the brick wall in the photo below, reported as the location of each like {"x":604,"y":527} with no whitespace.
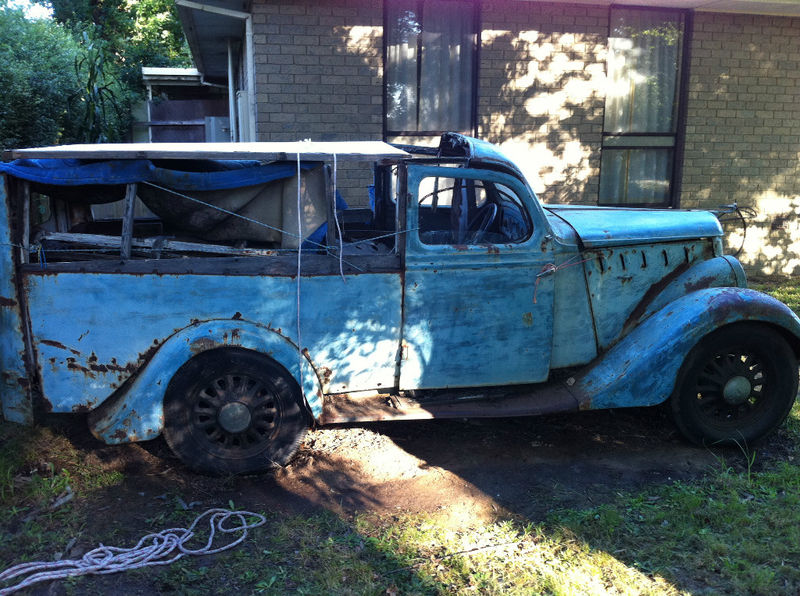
{"x":319,"y":75}
{"x":541,"y":93}
{"x":541,"y":96}
{"x":743,"y":131}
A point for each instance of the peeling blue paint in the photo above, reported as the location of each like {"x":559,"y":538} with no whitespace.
{"x":15,"y":384}
{"x":641,"y":370}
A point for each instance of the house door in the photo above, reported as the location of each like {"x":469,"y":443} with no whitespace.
{"x":474,"y":314}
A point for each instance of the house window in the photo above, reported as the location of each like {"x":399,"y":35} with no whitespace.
{"x":430,"y":64}
{"x":641,"y":114}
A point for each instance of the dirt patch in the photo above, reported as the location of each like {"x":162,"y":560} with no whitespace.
{"x":478,"y":468}
{"x":469,"y":468}
{"x":462,"y":470}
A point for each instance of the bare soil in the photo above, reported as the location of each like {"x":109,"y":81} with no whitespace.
{"x":463,"y":470}
{"x":468,"y":468}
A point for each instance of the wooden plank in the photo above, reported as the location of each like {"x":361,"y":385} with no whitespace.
{"x":157,"y":244}
{"x":249,"y":265}
{"x":26,"y":222}
{"x":268,"y":151}
{"x":127,"y":222}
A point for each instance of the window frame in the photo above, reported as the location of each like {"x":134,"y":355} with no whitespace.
{"x":492,"y":194}
{"x":530,"y":208}
{"x":476,"y":18}
{"x":678,"y":135}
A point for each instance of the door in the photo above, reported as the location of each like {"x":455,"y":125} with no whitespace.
{"x":477,"y":311}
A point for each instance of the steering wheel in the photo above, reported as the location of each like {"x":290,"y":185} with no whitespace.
{"x":480,"y":223}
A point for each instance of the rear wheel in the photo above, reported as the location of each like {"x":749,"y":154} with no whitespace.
{"x":736,"y":385}
{"x":233,"y":411}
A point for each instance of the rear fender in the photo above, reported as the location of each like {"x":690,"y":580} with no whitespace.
{"x":136,"y":411}
{"x":641,"y":370}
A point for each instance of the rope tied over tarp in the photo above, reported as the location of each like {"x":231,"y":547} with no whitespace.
{"x":160,"y":548}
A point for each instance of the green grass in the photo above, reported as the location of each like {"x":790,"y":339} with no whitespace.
{"x":785,"y":290}
{"x":734,"y":531}
{"x":42,"y":477}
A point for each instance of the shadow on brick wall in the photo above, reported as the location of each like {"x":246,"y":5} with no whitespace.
{"x":546,"y":106}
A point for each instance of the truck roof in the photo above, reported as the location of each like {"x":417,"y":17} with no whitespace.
{"x":267,"y":151}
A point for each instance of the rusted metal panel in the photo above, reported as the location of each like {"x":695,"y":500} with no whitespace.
{"x":137,"y":414}
{"x":574,"y":340}
{"x":619,"y":279}
{"x":602,"y":227}
{"x":641,"y":370}
{"x":94,"y":331}
{"x":530,"y":400}
{"x":715,"y":273}
{"x":475,"y":315}
{"x":15,"y":384}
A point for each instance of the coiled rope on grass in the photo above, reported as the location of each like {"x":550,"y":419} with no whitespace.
{"x":159,"y":548}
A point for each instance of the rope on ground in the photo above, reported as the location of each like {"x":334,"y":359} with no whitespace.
{"x":160,"y":548}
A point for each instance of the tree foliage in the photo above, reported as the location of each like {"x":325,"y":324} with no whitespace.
{"x":75,"y":78}
{"x":37,"y":81}
{"x":157,"y":35}
{"x":140,"y":32}
{"x":104,"y":102}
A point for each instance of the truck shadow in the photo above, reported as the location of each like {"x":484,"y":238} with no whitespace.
{"x":525,"y":469}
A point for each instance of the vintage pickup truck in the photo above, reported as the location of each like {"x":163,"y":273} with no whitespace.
{"x":233,"y":302}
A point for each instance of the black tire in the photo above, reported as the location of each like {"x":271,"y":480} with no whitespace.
{"x":233,"y":411}
{"x":736,"y":386}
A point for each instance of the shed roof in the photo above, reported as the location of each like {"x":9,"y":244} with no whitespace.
{"x":208,"y":33}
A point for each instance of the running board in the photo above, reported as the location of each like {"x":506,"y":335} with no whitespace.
{"x":547,"y":399}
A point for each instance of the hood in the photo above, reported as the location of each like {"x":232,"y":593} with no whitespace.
{"x":600,"y":227}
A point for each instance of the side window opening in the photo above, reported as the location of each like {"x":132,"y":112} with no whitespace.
{"x":85,"y":222}
{"x":373,"y":228}
{"x":464,"y":211}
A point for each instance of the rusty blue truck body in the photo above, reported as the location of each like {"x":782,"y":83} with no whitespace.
{"x":457,"y":293}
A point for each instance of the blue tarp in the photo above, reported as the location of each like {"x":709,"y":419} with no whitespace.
{"x":187,"y":176}
{"x":183,"y":175}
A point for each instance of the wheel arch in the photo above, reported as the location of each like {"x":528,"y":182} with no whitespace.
{"x":136,"y":411}
{"x":642,"y":369}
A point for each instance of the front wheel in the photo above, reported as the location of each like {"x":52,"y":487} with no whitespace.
{"x":233,"y":411}
{"x":736,"y":386}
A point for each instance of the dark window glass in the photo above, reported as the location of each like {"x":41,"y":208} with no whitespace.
{"x":430,"y":63}
{"x":644,"y":64}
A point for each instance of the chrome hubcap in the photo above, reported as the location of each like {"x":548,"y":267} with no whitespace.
{"x":737,"y":390}
{"x":234,"y":417}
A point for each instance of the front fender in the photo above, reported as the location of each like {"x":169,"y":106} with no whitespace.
{"x":642,"y":368}
{"x":719,"y":272}
{"x":136,"y":411}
